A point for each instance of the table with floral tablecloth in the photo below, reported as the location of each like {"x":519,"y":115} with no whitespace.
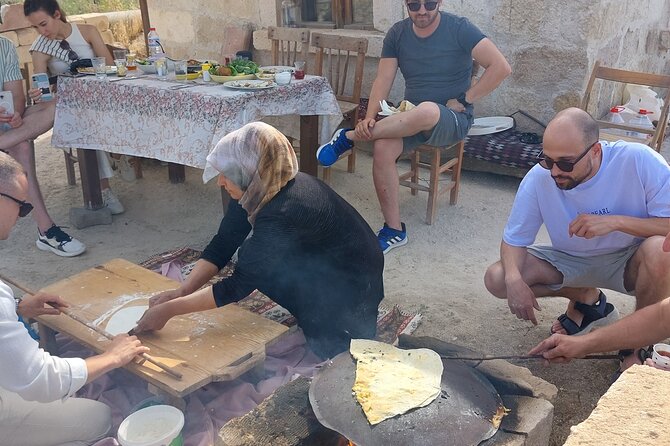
{"x":147,"y":117}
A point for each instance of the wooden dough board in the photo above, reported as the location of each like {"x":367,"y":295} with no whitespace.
{"x":215,"y":345}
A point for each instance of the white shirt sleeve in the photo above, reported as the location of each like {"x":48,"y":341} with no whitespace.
{"x":525,"y":219}
{"x":28,"y":370}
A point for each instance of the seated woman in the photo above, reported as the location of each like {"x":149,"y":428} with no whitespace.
{"x":60,"y":44}
{"x":309,"y":251}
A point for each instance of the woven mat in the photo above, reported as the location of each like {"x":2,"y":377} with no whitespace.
{"x":504,"y":148}
{"x":391,"y":322}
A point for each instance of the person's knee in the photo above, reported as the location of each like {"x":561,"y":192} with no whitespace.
{"x":494,"y":280}
{"x":652,"y":257}
{"x":428,"y":113}
{"x":386,"y":151}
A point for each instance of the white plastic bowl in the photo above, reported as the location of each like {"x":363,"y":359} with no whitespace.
{"x":151,"y":426}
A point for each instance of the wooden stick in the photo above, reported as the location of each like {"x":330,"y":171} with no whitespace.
{"x":95,"y":328}
{"x":526,"y":357}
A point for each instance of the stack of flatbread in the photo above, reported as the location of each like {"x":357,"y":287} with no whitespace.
{"x":388,"y":110}
{"x":391,"y":381}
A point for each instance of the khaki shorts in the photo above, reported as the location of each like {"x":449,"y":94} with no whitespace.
{"x":450,"y":128}
{"x":603,"y":271}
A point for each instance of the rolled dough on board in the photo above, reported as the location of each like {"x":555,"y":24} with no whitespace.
{"x":125,"y":319}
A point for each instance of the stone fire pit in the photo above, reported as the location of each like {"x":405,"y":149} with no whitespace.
{"x":286,"y":418}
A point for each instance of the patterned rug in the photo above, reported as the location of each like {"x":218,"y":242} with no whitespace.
{"x":178,"y":263}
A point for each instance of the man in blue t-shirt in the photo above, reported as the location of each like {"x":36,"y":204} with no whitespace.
{"x":434,"y":51}
{"x":606,"y":208}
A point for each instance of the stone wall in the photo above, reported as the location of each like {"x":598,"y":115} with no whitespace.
{"x":550,"y":45}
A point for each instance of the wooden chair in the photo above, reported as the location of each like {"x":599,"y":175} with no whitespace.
{"x":288,"y":45}
{"x":335,"y":55}
{"x":631,"y":77}
{"x":435,"y":168}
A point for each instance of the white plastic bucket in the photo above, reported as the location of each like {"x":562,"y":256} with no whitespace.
{"x":152,"y":426}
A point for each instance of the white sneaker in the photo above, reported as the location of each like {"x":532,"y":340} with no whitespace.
{"x":59,"y":242}
{"x":126,"y":170}
{"x":113,"y":203}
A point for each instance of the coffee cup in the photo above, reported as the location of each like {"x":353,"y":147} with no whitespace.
{"x":661,"y":356}
{"x":283,"y":78}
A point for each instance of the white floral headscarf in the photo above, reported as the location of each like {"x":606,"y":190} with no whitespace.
{"x":258,"y":159}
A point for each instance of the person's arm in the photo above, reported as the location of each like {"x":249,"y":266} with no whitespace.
{"x":589,"y":226}
{"x":202,"y":272}
{"x":644,"y":327}
{"x":120,"y":352}
{"x":157,"y":316}
{"x":93,"y":37}
{"x":40,"y":62}
{"x":386,"y":72}
{"x":496,"y":69}
{"x":520,"y":297}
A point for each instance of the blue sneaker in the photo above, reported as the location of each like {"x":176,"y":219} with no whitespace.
{"x":331,"y":152}
{"x":390,"y":238}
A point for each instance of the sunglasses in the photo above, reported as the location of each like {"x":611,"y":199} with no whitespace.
{"x":565,"y":166}
{"x":415,"y":6}
{"x":24,"y":206}
{"x":71,"y":54}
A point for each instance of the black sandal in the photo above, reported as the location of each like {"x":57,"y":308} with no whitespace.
{"x":597,"y":315}
{"x":642,"y":355}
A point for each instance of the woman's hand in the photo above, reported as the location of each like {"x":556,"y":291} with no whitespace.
{"x":35,"y":94}
{"x":153,"y":319}
{"x":165,"y":296}
{"x":14,"y":120}
{"x":39,"y":304}
{"x":123,"y":349}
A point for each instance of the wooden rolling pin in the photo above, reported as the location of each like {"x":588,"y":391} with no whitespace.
{"x":95,"y":328}
{"x":524,"y":357}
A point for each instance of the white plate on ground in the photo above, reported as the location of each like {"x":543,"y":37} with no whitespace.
{"x":274,"y":69}
{"x":492,"y":124}
{"x":251,"y":84}
{"x":125,"y":319}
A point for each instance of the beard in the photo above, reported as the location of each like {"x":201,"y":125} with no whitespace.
{"x":570,"y":182}
{"x":425,"y":20}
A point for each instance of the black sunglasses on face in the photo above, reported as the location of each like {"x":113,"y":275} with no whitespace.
{"x":565,"y":166}
{"x":24,"y":206}
{"x":415,"y":6}
{"x":71,"y":54}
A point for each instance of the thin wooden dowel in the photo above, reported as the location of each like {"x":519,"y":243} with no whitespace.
{"x":525,"y":357}
{"x":95,"y":328}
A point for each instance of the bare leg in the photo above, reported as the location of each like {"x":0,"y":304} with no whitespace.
{"x":647,"y":273}
{"x":36,"y":120}
{"x":420,"y":119}
{"x":24,"y":154}
{"x":538,"y":274}
{"x":385,"y":177}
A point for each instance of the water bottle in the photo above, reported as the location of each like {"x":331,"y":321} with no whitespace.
{"x":641,"y":120}
{"x":155,"y":48}
{"x":614,"y":116}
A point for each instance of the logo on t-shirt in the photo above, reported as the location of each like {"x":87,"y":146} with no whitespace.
{"x":603,"y":211}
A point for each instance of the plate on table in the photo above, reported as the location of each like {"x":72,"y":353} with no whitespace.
{"x":492,"y":124}
{"x":224,"y":79}
{"x":250,"y":84}
{"x":274,"y":69}
{"x":111,"y":69}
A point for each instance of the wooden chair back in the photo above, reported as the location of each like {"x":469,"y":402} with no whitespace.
{"x":336,"y":57}
{"x":25,"y":73}
{"x":288,"y":45}
{"x":637,"y":78}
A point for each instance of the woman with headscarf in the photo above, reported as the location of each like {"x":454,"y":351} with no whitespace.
{"x":310,"y":251}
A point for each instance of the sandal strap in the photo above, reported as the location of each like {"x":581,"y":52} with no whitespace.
{"x":568,"y":324}
{"x":595,"y":311}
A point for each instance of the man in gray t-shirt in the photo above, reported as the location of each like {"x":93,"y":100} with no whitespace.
{"x":434,"y":51}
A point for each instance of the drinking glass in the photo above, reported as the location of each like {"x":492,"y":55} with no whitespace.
{"x":131,"y":64}
{"x":120,"y":54}
{"x":180,"y":70}
{"x":120,"y":67}
{"x":299,"y":72}
{"x":100,"y":67}
{"x":161,"y":68}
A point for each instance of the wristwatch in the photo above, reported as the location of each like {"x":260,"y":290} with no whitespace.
{"x":463,"y":101}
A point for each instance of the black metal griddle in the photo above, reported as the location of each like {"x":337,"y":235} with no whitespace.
{"x":461,"y":415}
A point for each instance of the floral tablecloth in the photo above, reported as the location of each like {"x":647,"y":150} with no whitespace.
{"x":145,"y":117}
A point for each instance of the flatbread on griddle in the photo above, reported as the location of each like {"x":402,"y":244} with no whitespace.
{"x":391,"y":381}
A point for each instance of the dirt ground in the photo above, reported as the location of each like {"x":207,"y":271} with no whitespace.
{"x":439,"y":273}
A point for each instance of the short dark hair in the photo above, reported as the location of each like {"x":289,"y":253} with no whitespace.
{"x":48,"y":6}
{"x":10,"y":169}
